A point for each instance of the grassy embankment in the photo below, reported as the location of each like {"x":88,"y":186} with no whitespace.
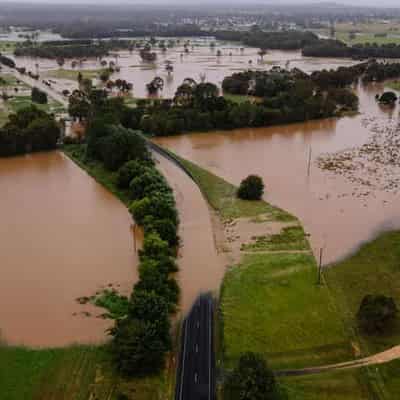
{"x":21,"y":98}
{"x":77,"y":372}
{"x":271,"y":303}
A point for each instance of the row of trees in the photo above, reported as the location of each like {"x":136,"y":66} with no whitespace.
{"x":283,"y":97}
{"x":285,"y":40}
{"x":142,"y":338}
{"x":29,"y":130}
{"x":64,"y":49}
{"x":338,"y":49}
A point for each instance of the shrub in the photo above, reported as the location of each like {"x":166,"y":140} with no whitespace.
{"x":251,"y":188}
{"x":154,"y":246}
{"x":137,"y":347}
{"x":388,"y":98}
{"x":159,"y":206}
{"x":376,"y":314}
{"x":38,"y":96}
{"x":165,"y":228}
{"x":130,"y":170}
{"x":251,"y":380}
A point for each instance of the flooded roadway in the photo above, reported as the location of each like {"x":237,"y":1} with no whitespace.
{"x":201,"y":269}
{"x":328,"y":205}
{"x":62,"y":236}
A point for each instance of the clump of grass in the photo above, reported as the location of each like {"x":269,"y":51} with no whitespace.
{"x":117,"y":305}
{"x":290,"y":238}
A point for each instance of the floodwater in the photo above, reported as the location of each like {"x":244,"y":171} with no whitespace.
{"x":200,"y":268}
{"x":329,"y":206}
{"x":63,"y":236}
{"x":201,"y":60}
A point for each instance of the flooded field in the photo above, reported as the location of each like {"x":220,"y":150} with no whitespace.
{"x":202,"y":60}
{"x":63,"y":236}
{"x":338,"y":213}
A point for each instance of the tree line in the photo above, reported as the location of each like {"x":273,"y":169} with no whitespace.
{"x":338,"y":49}
{"x":71,"y":48}
{"x":281,"y":40}
{"x":142,"y":338}
{"x":28,"y":130}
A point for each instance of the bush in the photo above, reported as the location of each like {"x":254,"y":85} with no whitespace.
{"x":388,"y":98}
{"x":38,"y":96}
{"x":251,"y":188}
{"x":159,"y":206}
{"x":151,"y":181}
{"x":376,"y":314}
{"x":165,"y":228}
{"x":130,"y":170}
{"x":251,"y":380}
{"x":137,"y":347}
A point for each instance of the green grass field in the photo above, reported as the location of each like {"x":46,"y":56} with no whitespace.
{"x":7,"y":46}
{"x":374,"y":269}
{"x":78,"y":373}
{"x":21,"y":99}
{"x":270,"y":303}
{"x":367,"y":38}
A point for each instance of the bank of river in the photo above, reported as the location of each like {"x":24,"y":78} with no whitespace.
{"x":63,"y":236}
{"x":338,"y":214}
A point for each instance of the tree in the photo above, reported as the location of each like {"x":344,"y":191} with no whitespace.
{"x":251,"y":380}
{"x":78,"y":105}
{"x":251,"y":188}
{"x":376,"y":313}
{"x":137,"y":347}
{"x":120,"y":146}
{"x":105,"y":75}
{"x":38,"y":96}
{"x":130,"y":170}
{"x":388,"y":98}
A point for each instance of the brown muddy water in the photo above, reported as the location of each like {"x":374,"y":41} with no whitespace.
{"x":201,"y":268}
{"x":62,"y":236}
{"x":201,"y":60}
{"x":337,"y":214}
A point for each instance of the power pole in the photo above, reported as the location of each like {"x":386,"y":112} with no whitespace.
{"x":320,"y":265}
{"x":309,"y":162}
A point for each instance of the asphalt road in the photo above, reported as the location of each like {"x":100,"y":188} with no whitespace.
{"x":196,"y":370}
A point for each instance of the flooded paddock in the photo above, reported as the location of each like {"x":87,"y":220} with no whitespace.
{"x":338,"y":214}
{"x":63,"y":236}
{"x":202,"y":61}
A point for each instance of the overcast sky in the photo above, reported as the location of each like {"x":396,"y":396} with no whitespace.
{"x":380,"y":3}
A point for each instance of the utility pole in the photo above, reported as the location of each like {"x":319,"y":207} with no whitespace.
{"x":320,"y":265}
{"x":309,"y":162}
